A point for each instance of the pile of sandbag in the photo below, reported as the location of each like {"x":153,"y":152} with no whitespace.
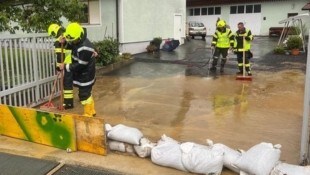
{"x":261,"y":159}
{"x":187,"y":156}
{"x":128,"y":140}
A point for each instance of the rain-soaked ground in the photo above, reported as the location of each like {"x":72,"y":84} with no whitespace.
{"x":174,"y":94}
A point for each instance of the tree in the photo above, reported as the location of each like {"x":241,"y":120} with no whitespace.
{"x":37,"y":15}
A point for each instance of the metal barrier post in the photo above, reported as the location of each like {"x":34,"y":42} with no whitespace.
{"x":304,"y":152}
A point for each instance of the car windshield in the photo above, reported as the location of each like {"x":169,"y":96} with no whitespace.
{"x":198,"y":24}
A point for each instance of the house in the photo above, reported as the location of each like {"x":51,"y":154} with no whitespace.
{"x":258,"y":15}
{"x":135,"y":22}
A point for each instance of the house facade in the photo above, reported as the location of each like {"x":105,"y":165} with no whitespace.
{"x":135,"y":22}
{"x":258,"y":15}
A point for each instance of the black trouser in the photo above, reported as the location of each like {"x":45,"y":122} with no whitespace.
{"x":85,"y":92}
{"x":68,"y":89}
{"x":217,"y":53}
{"x":246,"y":61}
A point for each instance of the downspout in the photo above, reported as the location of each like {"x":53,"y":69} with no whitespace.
{"x":117,"y":21}
{"x":120,"y":24}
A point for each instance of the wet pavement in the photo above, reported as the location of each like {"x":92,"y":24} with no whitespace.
{"x":173,"y":93}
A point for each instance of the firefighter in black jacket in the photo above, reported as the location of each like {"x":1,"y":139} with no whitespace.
{"x":82,"y":66}
{"x":243,"y":38}
{"x":56,"y":31}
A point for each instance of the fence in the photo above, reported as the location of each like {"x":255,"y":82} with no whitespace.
{"x":27,"y":69}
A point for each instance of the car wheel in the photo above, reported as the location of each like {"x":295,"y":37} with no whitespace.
{"x":203,"y":37}
{"x":193,"y":37}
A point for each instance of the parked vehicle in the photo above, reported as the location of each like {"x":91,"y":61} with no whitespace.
{"x":197,"y":29}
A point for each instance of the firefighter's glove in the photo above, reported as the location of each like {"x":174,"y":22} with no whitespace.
{"x":247,"y":38}
{"x":212,"y":47}
{"x":62,"y":40}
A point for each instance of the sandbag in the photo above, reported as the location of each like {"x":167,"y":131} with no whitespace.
{"x":121,"y":146}
{"x":260,"y":159}
{"x":288,"y":169}
{"x":144,"y":148}
{"x":125,"y":134}
{"x":230,"y":156}
{"x":201,"y":159}
{"x":167,"y":153}
{"x":164,"y":139}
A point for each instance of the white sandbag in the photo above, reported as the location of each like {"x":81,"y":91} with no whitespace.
{"x":260,"y":159}
{"x":145,"y":147}
{"x":120,"y":146}
{"x":126,"y":134}
{"x":165,"y":139}
{"x":288,"y":169}
{"x":167,"y":153}
{"x":108,"y":127}
{"x":230,"y":156}
{"x":201,"y":159}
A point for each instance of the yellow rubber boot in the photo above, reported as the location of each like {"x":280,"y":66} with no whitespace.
{"x":88,"y":110}
{"x":93,"y":111}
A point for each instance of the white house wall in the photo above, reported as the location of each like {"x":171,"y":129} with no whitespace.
{"x":142,"y":20}
{"x":276,"y":11}
{"x":107,"y":21}
{"x":259,"y":23}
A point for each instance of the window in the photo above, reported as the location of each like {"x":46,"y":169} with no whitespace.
{"x":191,"y":12}
{"x":249,"y":9}
{"x":211,"y":11}
{"x":196,"y":11}
{"x":91,"y":12}
{"x":217,"y":10}
{"x":233,"y":9}
{"x":204,"y":11}
{"x":241,"y":9}
{"x":257,"y":8}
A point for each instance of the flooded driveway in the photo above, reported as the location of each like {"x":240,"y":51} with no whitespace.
{"x":159,"y":98}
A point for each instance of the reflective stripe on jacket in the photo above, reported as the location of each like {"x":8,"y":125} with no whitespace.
{"x":223,"y":39}
{"x":238,"y":46}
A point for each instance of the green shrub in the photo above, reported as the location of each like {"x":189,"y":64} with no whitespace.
{"x":294,"y":42}
{"x":107,"y":51}
{"x":157,"y":41}
{"x":126,"y":56}
{"x":279,"y":49}
{"x":154,"y":45}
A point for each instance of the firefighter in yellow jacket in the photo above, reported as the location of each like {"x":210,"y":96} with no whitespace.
{"x":223,"y":39}
{"x":243,"y":38}
{"x":82,"y":66}
{"x":56,"y":31}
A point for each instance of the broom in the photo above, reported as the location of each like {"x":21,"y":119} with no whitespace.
{"x":243,"y":76}
{"x":61,"y":107}
{"x":49,"y":104}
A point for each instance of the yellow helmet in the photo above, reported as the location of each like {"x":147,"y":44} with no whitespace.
{"x":221,"y":23}
{"x":73,"y":32}
{"x":53,"y":30}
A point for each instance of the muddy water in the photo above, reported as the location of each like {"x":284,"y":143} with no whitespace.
{"x":159,"y":99}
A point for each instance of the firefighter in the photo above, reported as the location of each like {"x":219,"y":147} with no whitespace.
{"x":223,"y":40}
{"x":56,"y":31}
{"x":243,"y":38}
{"x":82,"y":66}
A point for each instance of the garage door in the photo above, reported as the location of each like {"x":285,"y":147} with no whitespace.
{"x":251,"y":21}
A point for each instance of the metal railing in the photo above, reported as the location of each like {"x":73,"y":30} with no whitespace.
{"x":27,"y":69}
